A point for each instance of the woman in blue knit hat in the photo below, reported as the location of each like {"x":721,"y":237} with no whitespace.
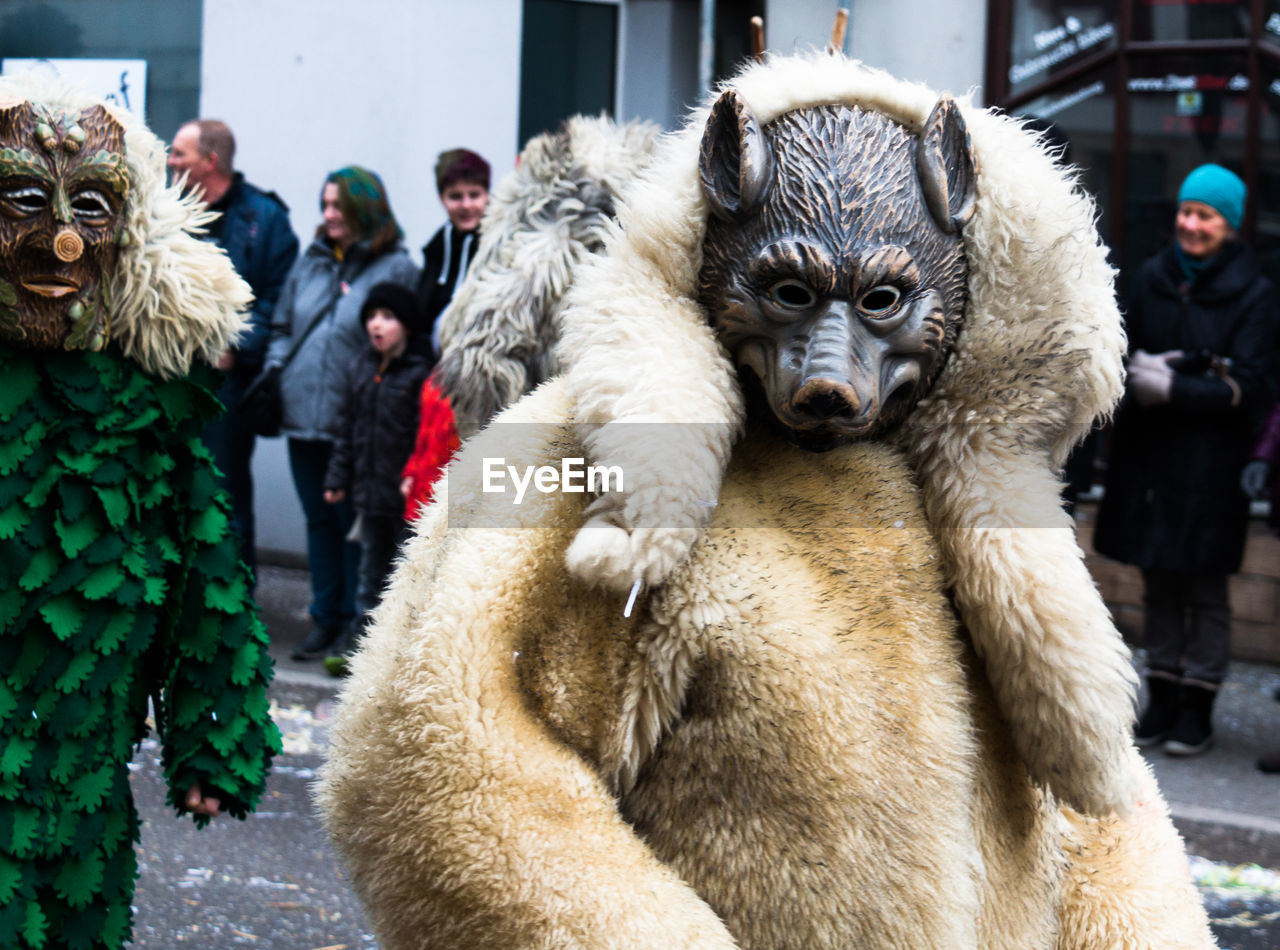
{"x":1202,"y":324}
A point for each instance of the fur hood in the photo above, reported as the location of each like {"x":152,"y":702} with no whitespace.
{"x":174,"y":298}
{"x":544,"y":219}
{"x":1037,"y":360}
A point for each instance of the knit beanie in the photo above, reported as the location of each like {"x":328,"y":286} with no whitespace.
{"x":1220,"y":189}
{"x":397,"y":298}
{"x":461,"y":164}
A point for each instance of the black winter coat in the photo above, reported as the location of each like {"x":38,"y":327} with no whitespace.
{"x":255,"y":232}
{"x":445,"y":261}
{"x":377,"y":424}
{"x":1173,"y":499}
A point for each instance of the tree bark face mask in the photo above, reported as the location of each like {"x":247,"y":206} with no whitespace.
{"x":833,"y":268}
{"x":63,"y":186}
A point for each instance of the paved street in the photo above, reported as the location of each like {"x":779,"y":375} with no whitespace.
{"x":270,"y":881}
{"x":273,"y":882}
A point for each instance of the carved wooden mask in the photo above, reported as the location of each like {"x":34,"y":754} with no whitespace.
{"x":63,"y":185}
{"x":833,"y":268}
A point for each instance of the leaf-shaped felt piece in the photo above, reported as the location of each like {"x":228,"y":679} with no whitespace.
{"x":16,"y":755}
{"x":13,"y":519}
{"x":115,"y":504}
{"x":20,"y":381}
{"x":77,"y":671}
{"x":113,"y":633}
{"x":155,"y":588}
{"x":67,"y":762}
{"x":78,"y":881}
{"x":12,"y":454}
{"x":64,"y":615}
{"x":75,"y":498}
{"x":25,"y":829}
{"x":10,"y":878}
{"x":11,"y":603}
{"x":102,"y":582}
{"x":112,"y":471}
{"x":209,"y":525}
{"x":35,"y":925}
{"x":229,"y":598}
{"x":246,"y":664}
{"x":88,"y":791}
{"x":43,"y":484}
{"x":110,"y":671}
{"x":40,"y":569}
{"x":189,"y":706}
{"x":72,"y":714}
{"x":78,"y":535}
{"x":108,"y":548}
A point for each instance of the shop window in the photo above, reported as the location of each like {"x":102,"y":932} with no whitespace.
{"x":1182,"y":82}
{"x":1183,"y":112}
{"x":568,"y":62}
{"x":163,"y":33}
{"x":1081,"y":116}
{"x":1050,"y":36}
{"x":1173,"y":21}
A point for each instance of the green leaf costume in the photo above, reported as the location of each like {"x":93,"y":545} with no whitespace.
{"x":119,"y":583}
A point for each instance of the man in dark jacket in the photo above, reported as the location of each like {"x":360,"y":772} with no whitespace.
{"x":253,"y":228}
{"x":1202,"y":324}
{"x":377,"y":424}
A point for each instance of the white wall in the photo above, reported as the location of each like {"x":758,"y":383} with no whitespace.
{"x":938,"y":42}
{"x":311,"y":85}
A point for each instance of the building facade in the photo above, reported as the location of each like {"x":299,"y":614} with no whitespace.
{"x":1142,"y":90}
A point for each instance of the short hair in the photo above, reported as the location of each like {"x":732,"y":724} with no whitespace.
{"x":461,"y":164}
{"x":362,"y":199}
{"x":216,"y":139}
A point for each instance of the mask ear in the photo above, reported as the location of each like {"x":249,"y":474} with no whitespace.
{"x":735,"y":162}
{"x":944,"y":163}
{"x":15,"y":119}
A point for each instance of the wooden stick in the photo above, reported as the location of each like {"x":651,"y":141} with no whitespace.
{"x":837,"y":30}
{"x":757,"y":38}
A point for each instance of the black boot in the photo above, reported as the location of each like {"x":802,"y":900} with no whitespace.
{"x":321,"y":637}
{"x":1193,"y":732}
{"x":1270,"y":763}
{"x":1158,"y":719}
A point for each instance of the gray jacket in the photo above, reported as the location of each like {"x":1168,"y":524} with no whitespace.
{"x":313,"y":383}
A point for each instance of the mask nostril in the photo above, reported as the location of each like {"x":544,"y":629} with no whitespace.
{"x":824,"y":402}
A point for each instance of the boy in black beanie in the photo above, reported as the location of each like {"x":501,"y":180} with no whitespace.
{"x":377,"y":423}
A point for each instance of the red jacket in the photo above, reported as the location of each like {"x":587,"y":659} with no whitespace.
{"x":436,"y":442}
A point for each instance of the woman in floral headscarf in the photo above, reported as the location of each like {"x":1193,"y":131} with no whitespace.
{"x":318,"y":319}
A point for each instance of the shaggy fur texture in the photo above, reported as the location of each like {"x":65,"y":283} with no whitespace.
{"x":174,"y":298}
{"x":789,"y":746}
{"x":544,"y":219}
{"x":1038,"y":358}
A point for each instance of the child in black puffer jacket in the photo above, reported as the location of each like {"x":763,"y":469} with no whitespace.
{"x":377,"y":423}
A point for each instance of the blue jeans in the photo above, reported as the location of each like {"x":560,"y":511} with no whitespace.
{"x":334,"y":561}
{"x":232,"y":447}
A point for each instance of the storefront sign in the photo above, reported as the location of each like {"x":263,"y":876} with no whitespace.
{"x":1059,"y":44}
{"x":122,"y":82}
{"x":1176,"y":83}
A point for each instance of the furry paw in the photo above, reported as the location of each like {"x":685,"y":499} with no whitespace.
{"x":606,"y":555}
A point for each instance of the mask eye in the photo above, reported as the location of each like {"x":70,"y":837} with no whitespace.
{"x":792,"y":294}
{"x":24,"y":200}
{"x":880,"y":301}
{"x":91,"y":206}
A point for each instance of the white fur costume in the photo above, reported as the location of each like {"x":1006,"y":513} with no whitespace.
{"x":1037,"y":360}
